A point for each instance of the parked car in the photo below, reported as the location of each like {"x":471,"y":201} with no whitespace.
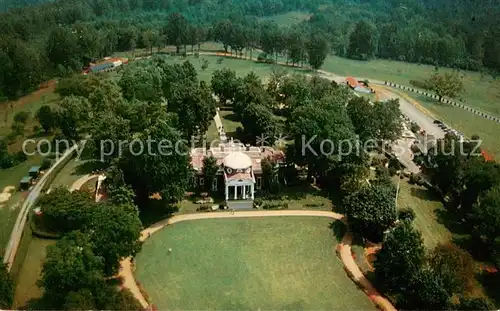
{"x":438,"y":122}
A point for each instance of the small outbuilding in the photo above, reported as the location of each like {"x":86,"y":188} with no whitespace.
{"x":34,"y":171}
{"x":25,"y":183}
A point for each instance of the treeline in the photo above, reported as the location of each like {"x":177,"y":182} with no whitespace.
{"x":56,"y":39}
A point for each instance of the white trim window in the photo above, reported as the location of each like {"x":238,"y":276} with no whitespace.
{"x":202,"y":181}
{"x":214,"y":184}
{"x":259,"y":182}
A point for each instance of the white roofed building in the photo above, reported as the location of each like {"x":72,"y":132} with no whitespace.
{"x":240,"y":173}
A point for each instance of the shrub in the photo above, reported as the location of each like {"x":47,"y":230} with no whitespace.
{"x":46,"y":163}
{"x":257,"y":203}
{"x":19,"y":157}
{"x":223,"y":205}
{"x":17,"y":128}
{"x":406,"y":214}
{"x":393,"y":162}
{"x":21,"y":117}
{"x":204,"y":208}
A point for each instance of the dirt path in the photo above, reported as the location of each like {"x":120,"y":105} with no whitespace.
{"x":344,"y":250}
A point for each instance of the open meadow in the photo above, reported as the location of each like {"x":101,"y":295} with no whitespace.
{"x":265,"y":263}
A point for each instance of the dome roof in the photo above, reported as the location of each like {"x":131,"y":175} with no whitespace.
{"x":237,"y":160}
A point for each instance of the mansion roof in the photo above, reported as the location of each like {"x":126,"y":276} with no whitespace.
{"x":236,"y":156}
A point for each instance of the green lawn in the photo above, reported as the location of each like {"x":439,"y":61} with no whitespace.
{"x":286,"y":263}
{"x":70,"y":173}
{"x":425,"y":205}
{"x":29,"y":273}
{"x":482,"y":92}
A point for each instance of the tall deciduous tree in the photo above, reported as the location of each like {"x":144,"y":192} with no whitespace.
{"x":46,"y":117}
{"x":210,"y":169}
{"x":177,"y":30}
{"x":70,"y":266}
{"x":387,"y":116}
{"x":162,"y":165}
{"x":317,"y":50}
{"x":455,"y":267}
{"x":400,"y":258}
{"x":194,"y":105}
{"x":114,"y":233}
{"x":371,"y":211}
{"x":224,"y":84}
{"x":362,"y":44}
{"x":142,"y":83}
{"x":447,"y":84}
{"x":362,"y":116}
{"x":427,"y":291}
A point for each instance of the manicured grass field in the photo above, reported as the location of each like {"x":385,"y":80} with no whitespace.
{"x":286,"y":263}
{"x":482,"y":92}
{"x":30,"y":272}
{"x":426,"y":208}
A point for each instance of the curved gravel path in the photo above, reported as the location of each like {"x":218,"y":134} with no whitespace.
{"x":344,"y":250}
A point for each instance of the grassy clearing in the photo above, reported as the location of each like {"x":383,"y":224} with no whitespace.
{"x":30,"y":103}
{"x":29,"y":274}
{"x":289,"y":19}
{"x":481,"y":91}
{"x":426,"y":207}
{"x":267,"y":263}
{"x":71,"y":172}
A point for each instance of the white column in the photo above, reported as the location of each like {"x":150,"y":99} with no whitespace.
{"x":244,"y":192}
{"x":235,"y":192}
{"x":227,"y":192}
{"x":252,"y":190}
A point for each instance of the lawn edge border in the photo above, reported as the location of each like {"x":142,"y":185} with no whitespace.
{"x":343,"y":250}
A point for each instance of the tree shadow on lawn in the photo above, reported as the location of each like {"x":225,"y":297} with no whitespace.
{"x":424,"y":194}
{"x":89,"y":166}
{"x":339,"y":229}
{"x":153,"y":211}
{"x":231,"y":117}
{"x":451,"y":222}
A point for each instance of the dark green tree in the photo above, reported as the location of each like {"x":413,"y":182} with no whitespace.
{"x":165,"y":169}
{"x":371,"y":211}
{"x":317,"y":50}
{"x":176,"y":30}
{"x":224,"y":84}
{"x":70,"y":266}
{"x":114,"y":232}
{"x":210,"y":169}
{"x":401,"y":257}
{"x":6,"y":288}
{"x":362,"y":43}
{"x":46,"y":117}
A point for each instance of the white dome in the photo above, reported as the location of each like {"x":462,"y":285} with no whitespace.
{"x":237,"y":160}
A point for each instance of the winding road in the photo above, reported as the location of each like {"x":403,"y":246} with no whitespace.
{"x":344,"y":251}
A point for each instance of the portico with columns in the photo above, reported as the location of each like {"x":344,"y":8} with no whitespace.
{"x":238,"y":177}
{"x":240,"y":170}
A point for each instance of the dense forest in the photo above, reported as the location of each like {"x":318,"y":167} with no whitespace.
{"x":58,"y":38}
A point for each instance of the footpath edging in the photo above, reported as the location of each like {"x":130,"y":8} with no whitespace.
{"x":343,"y":250}
{"x":444,"y":100}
